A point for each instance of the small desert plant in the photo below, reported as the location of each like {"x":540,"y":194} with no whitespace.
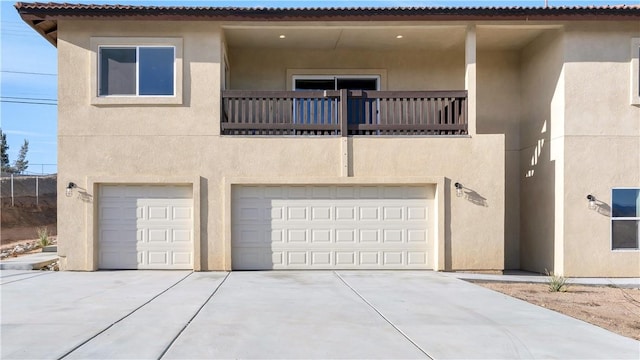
{"x":557,"y":283}
{"x":43,"y":236}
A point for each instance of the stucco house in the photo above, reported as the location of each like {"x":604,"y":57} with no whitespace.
{"x":441,"y":138}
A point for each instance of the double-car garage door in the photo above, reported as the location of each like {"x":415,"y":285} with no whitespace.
{"x":331,"y":227}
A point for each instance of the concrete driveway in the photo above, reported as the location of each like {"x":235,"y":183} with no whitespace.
{"x":312,"y":314}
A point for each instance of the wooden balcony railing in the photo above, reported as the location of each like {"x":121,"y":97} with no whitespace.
{"x":344,"y":112}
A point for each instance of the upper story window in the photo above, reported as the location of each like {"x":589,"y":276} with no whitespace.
{"x":625,"y":219}
{"x":136,"y":71}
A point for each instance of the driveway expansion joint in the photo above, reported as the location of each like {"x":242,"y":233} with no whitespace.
{"x":124,"y":317}
{"x":193,"y":317}
{"x":382,"y":316}
{"x":25,"y":278}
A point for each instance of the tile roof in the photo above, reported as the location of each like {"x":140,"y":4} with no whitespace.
{"x":43,"y":16}
{"x":66,"y":9}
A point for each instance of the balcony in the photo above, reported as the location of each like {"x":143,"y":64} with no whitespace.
{"x":343,"y":113}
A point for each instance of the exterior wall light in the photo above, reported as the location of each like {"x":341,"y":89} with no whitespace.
{"x":592,"y":202}
{"x":459,"y":188}
{"x":69,"y":190}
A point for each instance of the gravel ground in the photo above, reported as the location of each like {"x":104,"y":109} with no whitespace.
{"x":615,"y":309}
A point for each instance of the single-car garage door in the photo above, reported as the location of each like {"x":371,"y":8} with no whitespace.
{"x":331,"y":227}
{"x":145,"y":227}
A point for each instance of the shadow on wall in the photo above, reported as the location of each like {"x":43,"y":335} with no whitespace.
{"x":603,"y":208}
{"x":448,"y":261}
{"x":473,"y":197}
{"x":204,"y":216}
{"x":84,"y":196}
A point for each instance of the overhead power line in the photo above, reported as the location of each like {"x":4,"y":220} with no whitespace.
{"x":26,"y":98}
{"x":28,"y":102}
{"x":28,"y":73}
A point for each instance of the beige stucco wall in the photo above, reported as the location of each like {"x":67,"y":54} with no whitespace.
{"x":499,"y":112}
{"x":540,"y":156}
{"x":437,"y":69}
{"x":601,"y":144}
{"x":176,"y":143}
{"x":579,"y":136}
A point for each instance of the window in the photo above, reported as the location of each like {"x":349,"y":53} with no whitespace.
{"x":361,"y":111}
{"x":625,"y":218}
{"x":136,"y":71}
{"x":139,"y":71}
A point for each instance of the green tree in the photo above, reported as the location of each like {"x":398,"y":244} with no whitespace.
{"x":4,"y":157}
{"x":21,"y":164}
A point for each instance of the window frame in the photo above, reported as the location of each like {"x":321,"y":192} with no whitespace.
{"x":97,"y":43}
{"x":335,"y":78}
{"x":612,"y":219}
{"x":634,"y":97}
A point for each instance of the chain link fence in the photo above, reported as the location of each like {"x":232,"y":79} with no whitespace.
{"x":28,"y":190}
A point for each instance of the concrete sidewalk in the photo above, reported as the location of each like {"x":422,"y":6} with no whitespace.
{"x":529,"y":277}
{"x":297,"y":314}
{"x":34,"y":261}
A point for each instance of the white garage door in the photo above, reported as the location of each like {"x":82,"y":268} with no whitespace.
{"x":331,"y":227}
{"x":145,"y":227}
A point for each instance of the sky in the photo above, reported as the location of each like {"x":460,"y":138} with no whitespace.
{"x":28,"y":66}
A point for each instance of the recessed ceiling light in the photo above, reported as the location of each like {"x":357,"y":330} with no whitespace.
{"x":399,"y":36}
{"x":282,"y":36}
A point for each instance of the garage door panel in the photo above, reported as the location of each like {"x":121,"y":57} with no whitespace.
{"x":297,"y":213}
{"x":254,"y":235}
{"x":393,"y":258}
{"x":416,"y":236}
{"x":184,"y":213}
{"x":345,"y":258}
{"x":417,"y":258}
{"x":296,"y":236}
{"x":155,"y":233}
{"x":182,"y":236}
{"x":370,"y":258}
{"x":158,"y":213}
{"x":158,"y":235}
{"x":392,"y":213}
{"x":321,"y":236}
{"x":369,"y":213}
{"x":416,"y":213}
{"x":120,"y":259}
{"x":313,"y":227}
{"x":392,"y":236}
{"x":184,"y":258}
{"x":345,"y":213}
{"x":156,"y":258}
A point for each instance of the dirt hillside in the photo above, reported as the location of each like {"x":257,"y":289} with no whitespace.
{"x":20,"y":221}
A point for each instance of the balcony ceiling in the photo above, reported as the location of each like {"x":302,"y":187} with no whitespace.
{"x":379,"y":38}
{"x":326,"y":38}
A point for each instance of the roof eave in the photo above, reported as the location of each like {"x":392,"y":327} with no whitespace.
{"x":44,"y":17}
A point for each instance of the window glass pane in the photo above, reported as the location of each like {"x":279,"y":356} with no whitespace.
{"x":626,"y":203}
{"x":315,"y":84}
{"x":117,"y":71}
{"x":625,"y":234}
{"x":358,"y":84}
{"x":156,"y":71}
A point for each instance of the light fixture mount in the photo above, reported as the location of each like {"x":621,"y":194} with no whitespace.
{"x":69,"y":190}
{"x":592,"y":202}
{"x":459,"y":188}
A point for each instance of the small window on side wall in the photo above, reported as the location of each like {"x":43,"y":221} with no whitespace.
{"x":137,"y":71}
{"x":625,"y":219}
